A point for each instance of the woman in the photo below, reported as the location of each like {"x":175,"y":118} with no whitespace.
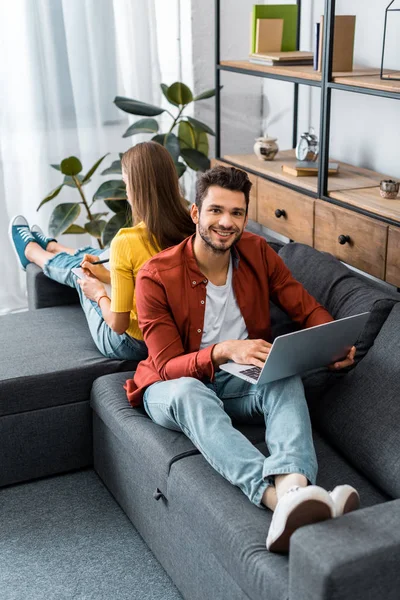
{"x":163,"y":220}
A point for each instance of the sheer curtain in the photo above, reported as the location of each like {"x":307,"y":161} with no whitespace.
{"x":63,"y":61}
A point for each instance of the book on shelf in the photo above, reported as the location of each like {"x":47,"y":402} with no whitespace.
{"x":343,"y":43}
{"x":307,"y":168}
{"x":287,"y":12}
{"x":269,"y":34}
{"x":270,"y":59}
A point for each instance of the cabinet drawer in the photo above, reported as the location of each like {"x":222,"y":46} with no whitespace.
{"x":364,"y":240}
{"x":252,"y":212}
{"x":393,"y":257}
{"x":285,"y":211}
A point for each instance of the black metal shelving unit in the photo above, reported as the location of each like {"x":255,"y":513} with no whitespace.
{"x":326,"y":84}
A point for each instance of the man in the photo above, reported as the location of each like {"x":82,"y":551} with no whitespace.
{"x":204,"y":302}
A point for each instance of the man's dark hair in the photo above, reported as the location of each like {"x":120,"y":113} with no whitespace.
{"x":228,"y":178}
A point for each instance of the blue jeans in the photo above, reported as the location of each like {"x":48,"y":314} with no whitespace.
{"x":204,"y":412}
{"x":108,"y":342}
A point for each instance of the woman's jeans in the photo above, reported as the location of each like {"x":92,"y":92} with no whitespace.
{"x":204,"y":412}
{"x":109,"y":343}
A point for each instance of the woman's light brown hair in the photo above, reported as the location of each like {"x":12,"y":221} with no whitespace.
{"x":156,"y":198}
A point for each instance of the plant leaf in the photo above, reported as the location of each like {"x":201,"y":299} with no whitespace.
{"x":95,"y":228}
{"x":187,"y":135}
{"x":97,"y":216}
{"x":71,"y":166}
{"x":170,"y":142}
{"x":142,"y":126}
{"x":93,"y":169}
{"x":114,"y":225}
{"x":202,"y":142}
{"x":195,"y":160}
{"x":118,"y":206}
{"x":114,"y":169}
{"x":164,"y":89}
{"x":205,"y":95}
{"x":179,"y":93}
{"x":180,"y":168}
{"x":135,"y":107}
{"x":50,"y":196}
{"x":111,"y":190}
{"x":62,"y":217}
{"x":200,"y":126}
{"x":56,"y":167}
{"x":68,"y":180}
{"x":75,"y":229}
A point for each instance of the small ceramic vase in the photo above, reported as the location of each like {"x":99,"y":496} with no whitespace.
{"x":389,"y":189}
{"x":266,"y":148}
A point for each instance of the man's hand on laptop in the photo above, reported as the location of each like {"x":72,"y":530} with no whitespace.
{"x":243,"y":352}
{"x":347,"y":362}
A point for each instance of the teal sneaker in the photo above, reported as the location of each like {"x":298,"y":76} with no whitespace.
{"x":20,"y":237}
{"x":40,"y":238}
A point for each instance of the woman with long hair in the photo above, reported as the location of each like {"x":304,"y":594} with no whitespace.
{"x":162,"y":219}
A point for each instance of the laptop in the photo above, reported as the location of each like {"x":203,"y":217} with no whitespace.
{"x":297,"y":352}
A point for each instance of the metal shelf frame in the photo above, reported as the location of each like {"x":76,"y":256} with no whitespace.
{"x":326,"y":84}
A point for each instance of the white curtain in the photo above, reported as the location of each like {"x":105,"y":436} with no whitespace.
{"x":63,"y":61}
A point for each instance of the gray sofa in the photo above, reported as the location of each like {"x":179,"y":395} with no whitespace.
{"x":205,"y":532}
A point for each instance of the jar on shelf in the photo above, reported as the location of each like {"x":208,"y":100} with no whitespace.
{"x":266,"y":148}
{"x":389,"y":189}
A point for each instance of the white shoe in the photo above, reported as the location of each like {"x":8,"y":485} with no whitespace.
{"x":345,"y":499}
{"x":299,"y":506}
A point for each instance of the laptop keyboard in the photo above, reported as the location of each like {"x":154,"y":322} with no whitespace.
{"x":253,"y":373}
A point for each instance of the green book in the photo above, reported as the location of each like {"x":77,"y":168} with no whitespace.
{"x":287,"y":12}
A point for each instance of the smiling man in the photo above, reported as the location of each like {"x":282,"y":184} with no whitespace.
{"x":204,"y":302}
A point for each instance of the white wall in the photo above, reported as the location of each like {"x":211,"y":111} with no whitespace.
{"x":365,"y":130}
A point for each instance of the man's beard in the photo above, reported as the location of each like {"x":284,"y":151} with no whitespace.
{"x":222,"y":247}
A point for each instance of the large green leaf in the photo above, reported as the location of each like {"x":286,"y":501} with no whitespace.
{"x":135,"y":107}
{"x":195,"y":160}
{"x":180,"y":168}
{"x":111,"y":190}
{"x":75,"y":229}
{"x":93,"y":169}
{"x":95,"y":228}
{"x":179,"y":93}
{"x":50,"y":196}
{"x":56,"y":167}
{"x":69,"y":181}
{"x":142,"y":126}
{"x":170,"y":142}
{"x":164,"y":89}
{"x":205,"y":95}
{"x":186,"y":135}
{"x":62,"y":217}
{"x":200,"y":126}
{"x":97,"y":216}
{"x":114,"y":225}
{"x":118,"y":206}
{"x":71,"y":166}
{"x":202,"y":142}
{"x":114,"y":169}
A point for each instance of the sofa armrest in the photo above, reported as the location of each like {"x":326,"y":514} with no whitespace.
{"x":355,"y":557}
{"x":44,"y":292}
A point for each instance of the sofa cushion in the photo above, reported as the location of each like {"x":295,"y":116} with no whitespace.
{"x":342,"y":292}
{"x":48,"y":358}
{"x":360,"y":414}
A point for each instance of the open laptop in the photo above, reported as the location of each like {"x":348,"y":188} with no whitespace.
{"x":297,"y":352}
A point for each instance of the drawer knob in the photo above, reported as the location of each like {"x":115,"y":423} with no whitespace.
{"x":344,"y":239}
{"x":280,"y":213}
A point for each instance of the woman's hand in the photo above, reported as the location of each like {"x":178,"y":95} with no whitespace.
{"x":347,"y":362}
{"x":98,"y":271}
{"x":92,"y":288}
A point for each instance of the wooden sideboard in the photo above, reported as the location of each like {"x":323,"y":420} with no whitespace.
{"x":367,"y":243}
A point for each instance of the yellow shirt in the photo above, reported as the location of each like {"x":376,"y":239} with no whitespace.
{"x":129,"y":250}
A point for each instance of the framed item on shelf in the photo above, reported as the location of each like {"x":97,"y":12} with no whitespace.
{"x":393,"y":76}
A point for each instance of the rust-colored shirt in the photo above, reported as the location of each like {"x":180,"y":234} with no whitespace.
{"x":170,"y":301}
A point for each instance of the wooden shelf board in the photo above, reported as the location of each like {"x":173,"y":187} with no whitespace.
{"x":349,"y":176}
{"x":301,"y":72}
{"x":370,"y":199}
{"x":373,"y":82}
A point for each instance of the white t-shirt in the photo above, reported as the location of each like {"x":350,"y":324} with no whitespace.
{"x":223,"y":319}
